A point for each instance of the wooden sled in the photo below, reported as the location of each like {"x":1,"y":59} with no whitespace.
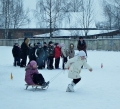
{"x":36,"y":86}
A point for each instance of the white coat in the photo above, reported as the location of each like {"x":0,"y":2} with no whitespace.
{"x":74,"y":65}
{"x":64,"y":51}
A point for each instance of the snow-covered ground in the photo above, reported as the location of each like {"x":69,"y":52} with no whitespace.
{"x":99,"y":89}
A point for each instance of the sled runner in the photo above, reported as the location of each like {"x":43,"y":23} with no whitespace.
{"x":36,"y":86}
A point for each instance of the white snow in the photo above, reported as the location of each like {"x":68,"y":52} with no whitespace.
{"x":99,"y":89}
{"x":73,"y":33}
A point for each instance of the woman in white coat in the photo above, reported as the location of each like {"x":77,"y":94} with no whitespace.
{"x":74,"y":66}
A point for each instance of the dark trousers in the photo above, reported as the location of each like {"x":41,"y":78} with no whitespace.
{"x":16,"y":61}
{"x":40,"y":62}
{"x":23,"y":61}
{"x":57,"y":61}
{"x":45,"y":61}
{"x":38,"y":79}
{"x":64,"y":61}
{"x":50,"y":62}
{"x":76,"y":80}
{"x":31,"y":59}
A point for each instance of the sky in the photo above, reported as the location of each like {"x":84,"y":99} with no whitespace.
{"x":32,"y":6}
{"x":98,"y":89}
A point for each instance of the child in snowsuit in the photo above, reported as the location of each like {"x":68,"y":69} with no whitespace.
{"x":64,"y":53}
{"x":16,"y":54}
{"x":33,"y":77}
{"x":74,"y":65}
{"x":39,"y":53}
{"x":57,"y":50}
{"x":45,"y":56}
{"x":31,"y":53}
{"x":51,"y":54}
{"x":71,"y":51}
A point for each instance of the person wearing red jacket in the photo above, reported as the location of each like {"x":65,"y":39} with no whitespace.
{"x":57,"y":51}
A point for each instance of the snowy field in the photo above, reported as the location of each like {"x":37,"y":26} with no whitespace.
{"x":99,"y":89}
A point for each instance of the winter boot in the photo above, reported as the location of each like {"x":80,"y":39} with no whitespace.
{"x":68,"y":89}
{"x":45,"y":84}
{"x":71,"y":86}
{"x":14,"y":64}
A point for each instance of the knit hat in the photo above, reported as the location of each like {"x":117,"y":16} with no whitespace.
{"x":44,"y":43}
{"x":50,"y":42}
{"x":32,"y":63}
{"x":62,"y":45}
{"x":80,"y":37}
{"x":40,"y":45}
{"x":81,"y":53}
{"x":16,"y":44}
{"x":56,"y":43}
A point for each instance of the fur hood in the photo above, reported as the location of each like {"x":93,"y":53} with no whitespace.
{"x":71,"y":46}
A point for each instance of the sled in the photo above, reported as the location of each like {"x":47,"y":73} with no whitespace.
{"x":36,"y":86}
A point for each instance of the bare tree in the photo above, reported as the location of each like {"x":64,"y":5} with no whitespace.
{"x":19,"y":15}
{"x":81,"y":18}
{"x":48,"y":13}
{"x":111,"y":11}
{"x":86,"y":20}
{"x":13,"y":14}
{"x":107,"y":10}
{"x":76,"y":5}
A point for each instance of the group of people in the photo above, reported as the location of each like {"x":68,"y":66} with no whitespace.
{"x":46,"y":55}
{"x":40,"y":56}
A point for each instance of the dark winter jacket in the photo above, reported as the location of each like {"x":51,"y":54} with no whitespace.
{"x":45,"y":49}
{"x":50,"y":51}
{"x":29,"y":73}
{"x":16,"y":51}
{"x":82,"y":46}
{"x":32,"y":53}
{"x":39,"y":52}
{"x":24,"y":48}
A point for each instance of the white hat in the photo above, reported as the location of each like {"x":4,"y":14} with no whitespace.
{"x":62,"y":45}
{"x":81,"y":53}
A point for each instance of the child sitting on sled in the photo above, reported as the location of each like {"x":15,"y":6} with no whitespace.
{"x":74,"y":66}
{"x":33,"y":77}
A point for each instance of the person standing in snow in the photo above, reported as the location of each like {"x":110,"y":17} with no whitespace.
{"x":51,"y":54}
{"x":45,"y":58}
{"x":74,"y":65}
{"x":71,"y":51}
{"x":16,"y":54}
{"x":64,"y":53}
{"x":57,"y":50}
{"x":39,"y":52}
{"x":82,"y":45}
{"x":24,"y":52}
{"x":31,"y":53}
